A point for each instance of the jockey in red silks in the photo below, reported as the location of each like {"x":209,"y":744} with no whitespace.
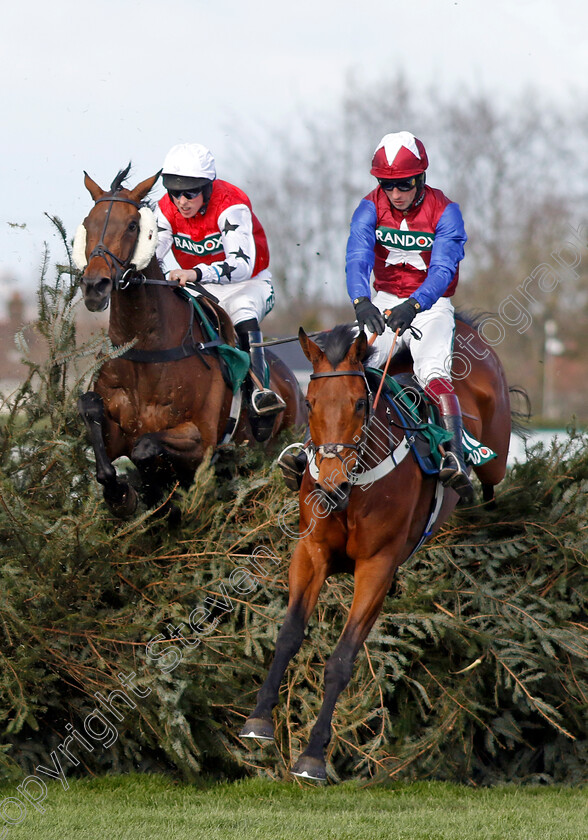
{"x":218,"y":241}
{"x":412,"y":237}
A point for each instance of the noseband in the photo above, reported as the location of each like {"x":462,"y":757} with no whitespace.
{"x":122,"y":268}
{"x":333,"y":450}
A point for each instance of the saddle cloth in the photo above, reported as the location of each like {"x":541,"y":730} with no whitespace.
{"x":419,"y":418}
{"x":236,"y":361}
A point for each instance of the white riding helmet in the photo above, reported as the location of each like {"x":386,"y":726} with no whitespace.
{"x":188,"y":166}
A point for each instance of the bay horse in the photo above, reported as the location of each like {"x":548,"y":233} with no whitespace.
{"x":369,"y":522}
{"x":164,"y":403}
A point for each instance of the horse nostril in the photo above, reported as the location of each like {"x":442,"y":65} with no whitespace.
{"x":96,"y":293}
{"x":95,"y":287}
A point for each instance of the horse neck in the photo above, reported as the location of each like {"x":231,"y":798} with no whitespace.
{"x":152,"y":314}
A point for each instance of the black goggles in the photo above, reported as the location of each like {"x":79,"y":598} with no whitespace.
{"x":402,"y":184}
{"x":189,"y":194}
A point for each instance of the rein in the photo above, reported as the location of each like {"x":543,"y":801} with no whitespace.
{"x":333,"y":450}
{"x":188,"y":347}
{"x":126,"y":276}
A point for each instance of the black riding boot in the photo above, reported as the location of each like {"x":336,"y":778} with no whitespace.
{"x":453,"y":472}
{"x":264,"y":405}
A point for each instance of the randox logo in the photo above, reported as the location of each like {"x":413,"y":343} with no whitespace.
{"x":406,"y":240}
{"x":209,"y":245}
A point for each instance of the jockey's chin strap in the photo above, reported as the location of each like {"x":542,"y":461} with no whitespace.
{"x":122,"y":269}
{"x":334,"y":450}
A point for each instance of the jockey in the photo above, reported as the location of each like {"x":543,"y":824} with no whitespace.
{"x":412,"y":237}
{"x":218,"y":241}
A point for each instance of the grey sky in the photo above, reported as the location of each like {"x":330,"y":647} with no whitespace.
{"x":92,"y":87}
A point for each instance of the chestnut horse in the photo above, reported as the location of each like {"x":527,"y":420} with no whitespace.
{"x":368,"y":522}
{"x":164,"y":403}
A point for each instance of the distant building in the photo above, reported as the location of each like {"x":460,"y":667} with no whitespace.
{"x":12,"y":371}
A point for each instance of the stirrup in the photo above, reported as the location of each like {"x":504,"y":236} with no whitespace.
{"x":266,"y":402}
{"x":293,"y":466}
{"x":453,"y":475}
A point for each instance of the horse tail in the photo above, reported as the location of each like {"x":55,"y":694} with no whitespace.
{"x":520,"y":416}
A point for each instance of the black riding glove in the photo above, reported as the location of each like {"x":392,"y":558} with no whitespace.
{"x":402,"y":316}
{"x":368,"y":315}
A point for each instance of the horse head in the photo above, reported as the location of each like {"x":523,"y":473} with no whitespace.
{"x":117,"y":237}
{"x":338,"y":408}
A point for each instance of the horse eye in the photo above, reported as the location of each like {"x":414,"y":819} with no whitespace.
{"x":308,"y":406}
{"x":133,"y":225}
{"x":361,"y":404}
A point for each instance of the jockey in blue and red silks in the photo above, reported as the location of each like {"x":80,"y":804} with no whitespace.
{"x":412,"y":237}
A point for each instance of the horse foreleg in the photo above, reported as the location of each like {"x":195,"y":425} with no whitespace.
{"x":305,"y":581}
{"x":120,"y":497}
{"x":488,"y":496}
{"x":372,"y":581}
{"x":167,"y":456}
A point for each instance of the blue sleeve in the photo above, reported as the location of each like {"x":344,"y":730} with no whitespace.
{"x":360,"y":250}
{"x":448,"y":251}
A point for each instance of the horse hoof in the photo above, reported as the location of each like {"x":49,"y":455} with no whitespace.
{"x":262,"y":426}
{"x":258,"y":728}
{"x":125,"y":505}
{"x":310,"y":768}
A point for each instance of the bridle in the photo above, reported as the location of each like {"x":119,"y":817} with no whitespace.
{"x":334,"y":450}
{"x":123,"y":269}
{"x":125,"y":275}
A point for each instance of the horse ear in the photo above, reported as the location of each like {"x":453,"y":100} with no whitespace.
{"x":311,"y":350}
{"x":142,"y":189}
{"x":95,"y":191}
{"x":358,"y":348}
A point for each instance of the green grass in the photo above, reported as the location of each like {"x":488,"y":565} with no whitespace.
{"x":153,"y":808}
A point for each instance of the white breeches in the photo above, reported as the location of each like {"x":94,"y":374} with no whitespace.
{"x":245,"y":300}
{"x":432,"y":354}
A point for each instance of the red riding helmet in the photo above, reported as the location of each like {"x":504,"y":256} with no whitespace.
{"x":399,"y":155}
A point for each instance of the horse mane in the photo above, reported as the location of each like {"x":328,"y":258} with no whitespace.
{"x":335,"y":343}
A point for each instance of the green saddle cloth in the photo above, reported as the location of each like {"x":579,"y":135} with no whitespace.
{"x":236,"y":360}
{"x":474,"y":452}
